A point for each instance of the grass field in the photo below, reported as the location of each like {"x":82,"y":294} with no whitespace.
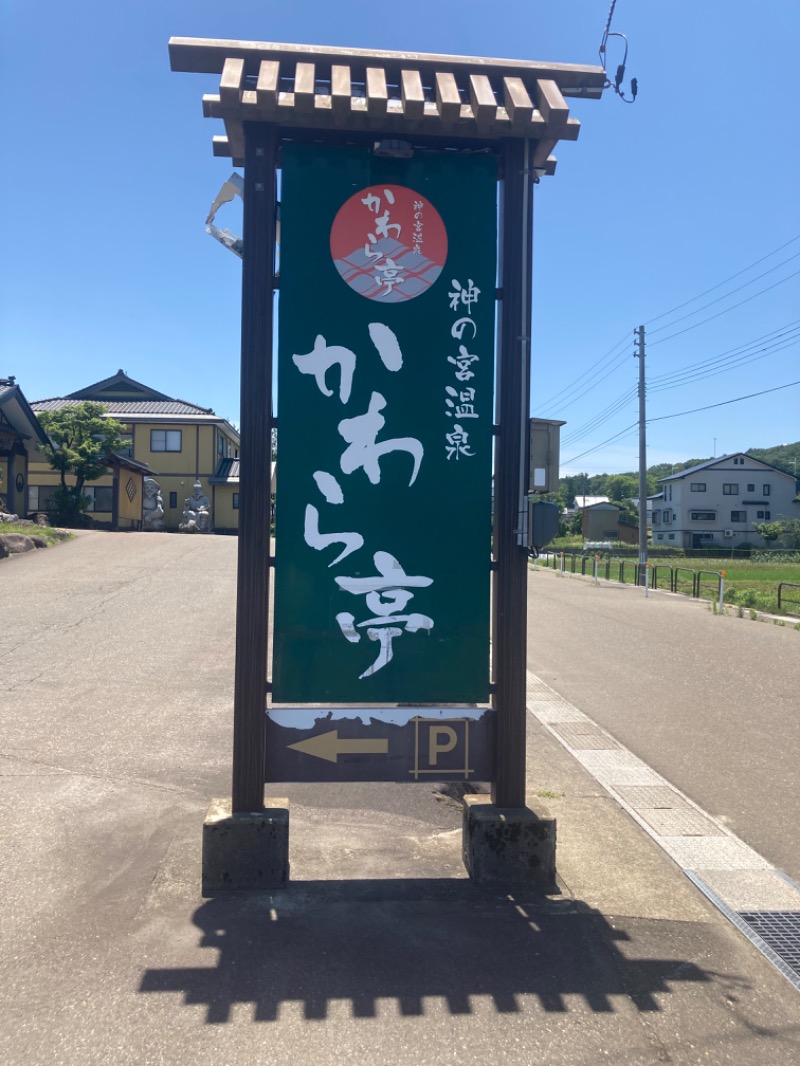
{"x":748,"y":584}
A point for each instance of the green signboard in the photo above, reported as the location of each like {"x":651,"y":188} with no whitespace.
{"x":385,"y":394}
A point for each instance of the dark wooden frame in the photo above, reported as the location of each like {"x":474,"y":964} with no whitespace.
{"x":253,"y":585}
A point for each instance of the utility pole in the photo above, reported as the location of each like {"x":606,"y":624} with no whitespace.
{"x":642,"y":459}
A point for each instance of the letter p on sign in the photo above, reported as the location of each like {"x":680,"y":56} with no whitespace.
{"x":441,"y":739}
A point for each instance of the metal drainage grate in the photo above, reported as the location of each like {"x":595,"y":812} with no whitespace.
{"x":780,"y":930}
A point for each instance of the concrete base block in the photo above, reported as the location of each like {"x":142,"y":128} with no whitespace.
{"x":245,"y":851}
{"x":508,"y":845}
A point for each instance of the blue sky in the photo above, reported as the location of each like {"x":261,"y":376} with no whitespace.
{"x":108,"y":174}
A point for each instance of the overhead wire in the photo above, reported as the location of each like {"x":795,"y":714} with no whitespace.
{"x":601,"y":417}
{"x":719,"y":284}
{"x":634,"y":427}
{"x":772,"y":335}
{"x":744,"y":360}
{"x":576,"y":382}
{"x":725,"y":296}
{"x":724,"y":403}
{"x":663,"y":340}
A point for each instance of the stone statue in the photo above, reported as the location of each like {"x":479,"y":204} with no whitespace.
{"x":152,"y":506}
{"x":196,"y":512}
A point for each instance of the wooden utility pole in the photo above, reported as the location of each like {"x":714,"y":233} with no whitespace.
{"x":642,"y":460}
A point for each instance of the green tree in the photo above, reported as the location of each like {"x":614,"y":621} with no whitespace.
{"x":83,"y":439}
{"x":621,"y":487}
{"x":785,"y":530}
{"x":770,"y":531}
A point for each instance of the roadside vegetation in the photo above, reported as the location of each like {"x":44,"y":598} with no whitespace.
{"x":30,"y":529}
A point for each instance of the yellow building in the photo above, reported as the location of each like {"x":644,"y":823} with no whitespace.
{"x":180,"y":441}
{"x":21,"y":438}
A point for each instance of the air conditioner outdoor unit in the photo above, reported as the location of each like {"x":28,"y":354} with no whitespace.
{"x":728,"y":532}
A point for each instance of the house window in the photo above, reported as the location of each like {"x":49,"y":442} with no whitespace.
{"x":764,"y":514}
{"x":730,"y":488}
{"x":703,"y":516}
{"x":221,"y":446}
{"x":738,"y":462}
{"x":165,"y":440}
{"x":751,"y":488}
{"x":672,"y":536}
{"x":173,"y":499}
{"x":40,"y":497}
{"x":659,"y":536}
{"x":698,"y":486}
{"x":236,"y":501}
{"x":667,"y":515}
{"x":738,"y":516}
{"x":127,"y":448}
{"x":767,"y":490}
{"x":706,"y":536}
{"x":656,"y":518}
{"x":101,"y":497}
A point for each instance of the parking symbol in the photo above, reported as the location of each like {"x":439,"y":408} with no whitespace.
{"x":441,"y":748}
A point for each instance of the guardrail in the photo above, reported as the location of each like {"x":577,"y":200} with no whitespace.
{"x":706,"y":584}
{"x":786,"y":585}
{"x":682,"y":579}
{"x":699,"y":585}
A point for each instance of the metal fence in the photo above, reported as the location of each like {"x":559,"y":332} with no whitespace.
{"x":683,"y":579}
{"x":783,"y":599}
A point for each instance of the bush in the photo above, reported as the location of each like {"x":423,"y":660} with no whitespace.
{"x":761,"y":601}
{"x":68,"y":508}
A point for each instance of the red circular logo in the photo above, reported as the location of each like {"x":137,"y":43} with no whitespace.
{"x":389,"y":243}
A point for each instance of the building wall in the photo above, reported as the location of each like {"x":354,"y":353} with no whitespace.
{"x":43,"y":478}
{"x":129,"y":510}
{"x":201,"y":447}
{"x":736,"y":509}
{"x":226,"y":515}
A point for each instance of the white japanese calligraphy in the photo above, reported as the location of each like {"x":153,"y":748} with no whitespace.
{"x":458,"y":442}
{"x":318,"y":361}
{"x":329,"y":487}
{"x":364,"y":451}
{"x":464,"y":408}
{"x":319,"y":541}
{"x":385,"y":594}
{"x":465,"y":294}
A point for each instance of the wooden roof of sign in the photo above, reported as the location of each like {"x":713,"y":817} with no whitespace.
{"x":402,"y":94}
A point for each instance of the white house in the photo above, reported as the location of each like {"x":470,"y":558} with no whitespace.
{"x":716,"y":503}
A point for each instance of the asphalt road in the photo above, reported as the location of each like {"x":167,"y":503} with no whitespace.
{"x":116,"y":667}
{"x":710,"y":702}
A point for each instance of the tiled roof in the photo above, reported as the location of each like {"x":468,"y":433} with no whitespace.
{"x":128,"y":407}
{"x":720,"y":459}
{"x":130,"y":464}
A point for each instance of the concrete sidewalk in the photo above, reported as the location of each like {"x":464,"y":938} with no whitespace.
{"x":115,"y":710}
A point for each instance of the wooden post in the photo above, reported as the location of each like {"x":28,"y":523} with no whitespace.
{"x":509,"y":620}
{"x":252,"y":600}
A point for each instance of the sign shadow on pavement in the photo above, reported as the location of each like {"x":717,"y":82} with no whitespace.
{"x":367,"y":942}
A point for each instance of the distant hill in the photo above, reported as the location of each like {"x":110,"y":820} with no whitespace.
{"x":623,"y":486}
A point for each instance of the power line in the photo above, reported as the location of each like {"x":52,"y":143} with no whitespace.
{"x":600,"y":418}
{"x":734,"y":365}
{"x":724,"y":403}
{"x":662,"y":340}
{"x":771,"y":337}
{"x":725,"y":295}
{"x":725,"y":282}
{"x":582,"y":379}
{"x":634,"y":426}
